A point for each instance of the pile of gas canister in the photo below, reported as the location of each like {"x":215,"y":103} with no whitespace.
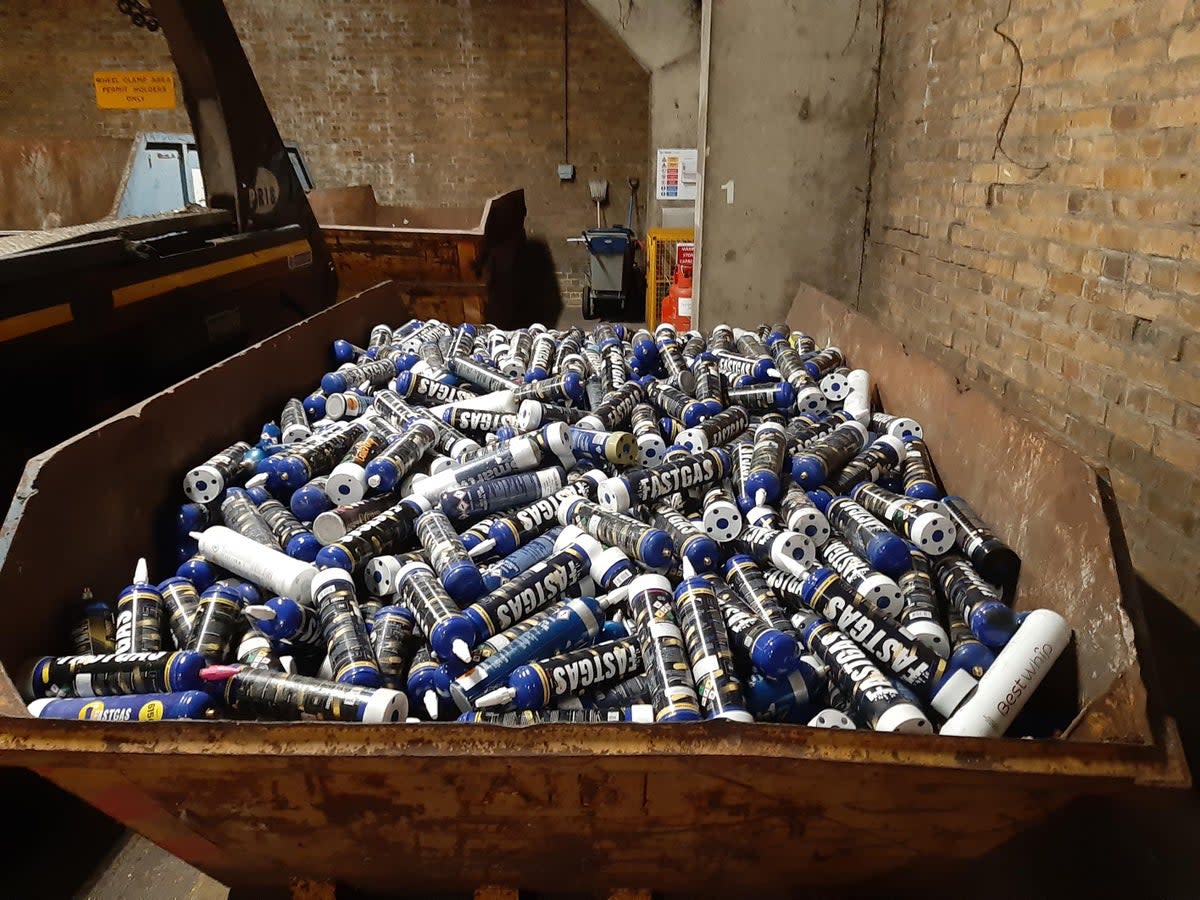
{"x":514,"y":527}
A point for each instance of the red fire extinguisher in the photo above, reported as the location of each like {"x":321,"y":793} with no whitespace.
{"x":677,"y":305}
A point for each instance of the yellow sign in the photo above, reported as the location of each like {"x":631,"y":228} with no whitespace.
{"x":135,"y":90}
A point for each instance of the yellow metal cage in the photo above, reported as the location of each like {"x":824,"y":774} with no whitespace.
{"x":662,"y":246}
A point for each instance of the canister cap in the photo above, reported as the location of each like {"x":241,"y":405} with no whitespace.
{"x":953,"y":690}
{"x":203,"y":484}
{"x":808,"y":470}
{"x":693,"y":439}
{"x":931,"y":634}
{"x":614,"y":494}
{"x":362,"y":675}
{"x":904,"y":718}
{"x":694,"y":413}
{"x":882,"y":593}
{"x":333,"y":382}
{"x":385,"y":706}
{"x":529,"y":415}
{"x":933,"y":533}
{"x":314,"y":406}
{"x":775,"y":654}
{"x":656,"y":548}
{"x":462,"y":581}
{"x":573,"y":386}
{"x":335,"y":406}
{"x":334,"y":557}
{"x":303,"y":546}
{"x":889,"y":553}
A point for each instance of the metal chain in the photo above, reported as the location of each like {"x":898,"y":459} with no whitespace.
{"x":140,"y":15}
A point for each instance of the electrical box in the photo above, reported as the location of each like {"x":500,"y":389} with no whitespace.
{"x":566,"y":172}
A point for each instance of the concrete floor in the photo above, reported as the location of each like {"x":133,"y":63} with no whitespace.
{"x":140,"y":870}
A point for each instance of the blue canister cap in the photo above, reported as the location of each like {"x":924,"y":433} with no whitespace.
{"x":333,"y":383}
{"x":199,"y":571}
{"x":186,"y":705}
{"x":768,"y":482}
{"x":526,"y":683}
{"x":785,"y":396}
{"x":257,"y":494}
{"x":574,"y":387}
{"x":775,"y":653}
{"x":993,"y":623}
{"x":694,"y":413}
{"x":763,"y":367}
{"x":246,"y":592}
{"x":309,"y":502}
{"x":922,"y":490}
{"x":644,"y":349}
{"x":816,"y":576}
{"x":501,"y":531}
{"x":314,"y":406}
{"x":381,"y":474}
{"x":334,"y":557}
{"x":889,"y":554}
{"x":183,"y":671}
{"x":344,"y":351}
{"x":287,"y":621}
{"x":612,"y":631}
{"x":821,"y":497}
{"x":972,"y":657}
{"x":450,"y":631}
{"x":656,"y":548}
{"x":303,"y":546}
{"x":478,"y":622}
{"x":363,"y":676}
{"x":289,"y":473}
{"x":265,"y":465}
{"x":404,"y":382}
{"x":808,"y":471}
{"x":462,"y":582}
{"x":192,"y":517}
{"x":712,"y":407}
{"x":703,"y":553}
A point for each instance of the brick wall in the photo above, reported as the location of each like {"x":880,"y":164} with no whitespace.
{"x":434,"y":103}
{"x":1064,"y":274}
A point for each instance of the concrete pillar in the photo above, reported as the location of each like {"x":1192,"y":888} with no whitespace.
{"x":790,"y":107}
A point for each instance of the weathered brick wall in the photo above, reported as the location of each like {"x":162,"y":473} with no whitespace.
{"x":1064,"y":273}
{"x":434,"y":103}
